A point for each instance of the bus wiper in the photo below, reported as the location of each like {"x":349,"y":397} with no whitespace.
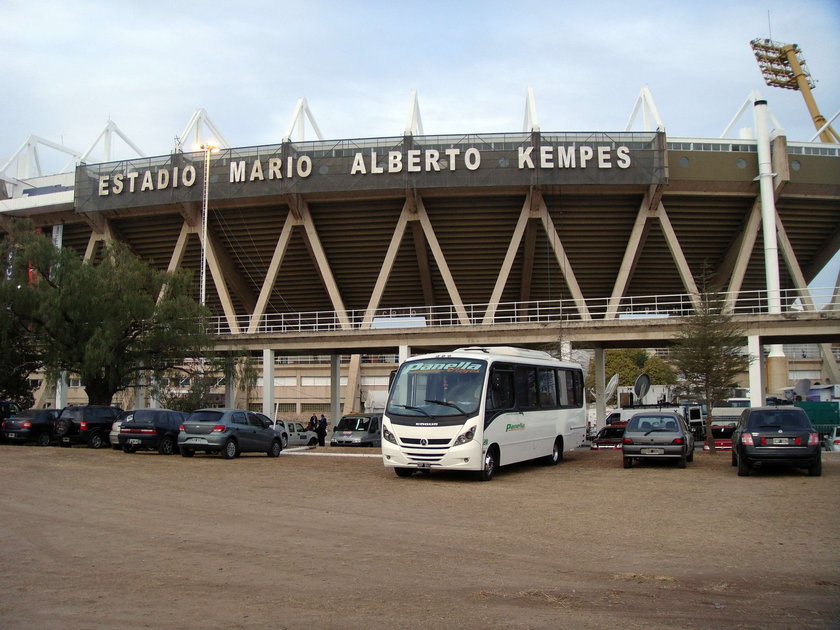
{"x":413,"y":408}
{"x":447,"y":403}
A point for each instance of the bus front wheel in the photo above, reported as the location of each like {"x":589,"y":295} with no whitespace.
{"x":491,"y":461}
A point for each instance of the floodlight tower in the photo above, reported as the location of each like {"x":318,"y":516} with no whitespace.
{"x":783,"y":65}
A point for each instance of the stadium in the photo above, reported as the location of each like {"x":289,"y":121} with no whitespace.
{"x":358,"y":252}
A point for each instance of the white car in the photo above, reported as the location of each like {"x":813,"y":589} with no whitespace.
{"x":832,"y":440}
{"x":295,"y":433}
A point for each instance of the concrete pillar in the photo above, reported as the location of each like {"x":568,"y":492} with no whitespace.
{"x":140,"y":392}
{"x":756,"y":371}
{"x":404,"y":352}
{"x":61,"y":390}
{"x":335,"y":388}
{"x":268,"y":383}
{"x":600,"y":384}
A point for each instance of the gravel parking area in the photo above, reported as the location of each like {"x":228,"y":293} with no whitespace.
{"x":103,"y":539}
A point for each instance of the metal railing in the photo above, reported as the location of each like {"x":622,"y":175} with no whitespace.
{"x":597,"y":310}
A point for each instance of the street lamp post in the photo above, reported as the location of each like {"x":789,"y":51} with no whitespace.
{"x":208,"y":149}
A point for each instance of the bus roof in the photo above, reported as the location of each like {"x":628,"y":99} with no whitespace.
{"x":499,"y":353}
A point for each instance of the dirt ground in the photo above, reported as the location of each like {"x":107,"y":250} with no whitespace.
{"x":102,"y":539}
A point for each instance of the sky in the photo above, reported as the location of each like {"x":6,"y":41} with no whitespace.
{"x":70,"y":67}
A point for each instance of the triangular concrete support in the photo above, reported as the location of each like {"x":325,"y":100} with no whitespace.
{"x":298,"y":123}
{"x":414,"y":123}
{"x":531,"y":122}
{"x":650,"y":115}
{"x":749,"y":132}
{"x":200,"y":130}
{"x":106,"y":136}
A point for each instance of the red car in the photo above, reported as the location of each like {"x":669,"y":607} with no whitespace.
{"x":609,"y":437}
{"x":722,"y":434}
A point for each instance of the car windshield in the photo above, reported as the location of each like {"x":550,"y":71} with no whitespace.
{"x":650,"y":424}
{"x":437,"y":388}
{"x":349,"y":423}
{"x":205,"y":416}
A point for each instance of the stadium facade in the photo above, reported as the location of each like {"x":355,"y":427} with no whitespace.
{"x":383,"y":246}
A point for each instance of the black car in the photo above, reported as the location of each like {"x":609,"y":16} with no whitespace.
{"x":150,"y":429}
{"x":776,"y":435}
{"x":85,"y":424}
{"x":34,"y":425}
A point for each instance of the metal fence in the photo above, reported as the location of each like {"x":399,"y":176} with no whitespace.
{"x":538,"y":311}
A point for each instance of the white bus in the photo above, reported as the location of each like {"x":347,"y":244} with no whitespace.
{"x":479,"y":408}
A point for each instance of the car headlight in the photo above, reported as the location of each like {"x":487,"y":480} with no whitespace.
{"x":465,"y":437}
{"x":387,"y":435}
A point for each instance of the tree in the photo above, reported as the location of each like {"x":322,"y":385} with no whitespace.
{"x":629,"y":363}
{"x":708,"y":354}
{"x":105,"y":322}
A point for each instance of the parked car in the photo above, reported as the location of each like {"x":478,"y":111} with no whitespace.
{"x":657,"y":435}
{"x":297,"y":434}
{"x":85,"y":424}
{"x":8,"y":409}
{"x":609,"y":437}
{"x":722,"y":435}
{"x":114,"y":435}
{"x":229,"y":432}
{"x":150,"y":429}
{"x":358,"y":429}
{"x":34,"y":425}
{"x":776,"y":435}
{"x":832,"y":440}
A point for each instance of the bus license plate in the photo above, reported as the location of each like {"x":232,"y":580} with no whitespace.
{"x":424,"y":465}
{"x":653,"y":451}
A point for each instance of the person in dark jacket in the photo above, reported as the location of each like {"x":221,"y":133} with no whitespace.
{"x":322,"y":430}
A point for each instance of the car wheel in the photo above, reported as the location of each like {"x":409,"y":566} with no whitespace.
{"x":275,"y":449}
{"x":681,"y":462}
{"x":743,"y":467}
{"x":284,"y":439}
{"x":556,"y":454}
{"x":129,"y":448}
{"x":491,"y":460}
{"x":167,"y":445}
{"x":734,"y":459}
{"x":43,"y":439}
{"x":404,"y":472}
{"x":229,"y":450}
{"x":187,"y":452}
{"x":313,"y":442}
{"x":95,"y":441}
{"x":628,"y":462}
{"x":815,"y":470}
{"x":690,"y":456}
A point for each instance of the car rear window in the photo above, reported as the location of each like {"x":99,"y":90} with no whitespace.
{"x":653,"y":423}
{"x":611,"y":432}
{"x":205,"y":416}
{"x":787,"y":419}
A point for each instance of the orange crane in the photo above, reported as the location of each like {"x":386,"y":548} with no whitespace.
{"x":783,"y":65}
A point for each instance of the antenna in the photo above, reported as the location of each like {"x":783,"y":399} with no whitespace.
{"x":641,"y":386}
{"x":609,"y":392}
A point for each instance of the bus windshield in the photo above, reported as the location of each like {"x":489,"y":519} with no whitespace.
{"x":438,"y":388}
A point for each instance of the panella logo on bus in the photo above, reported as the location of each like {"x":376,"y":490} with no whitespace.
{"x":515,"y":427}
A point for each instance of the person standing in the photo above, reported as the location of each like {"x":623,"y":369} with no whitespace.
{"x":313,"y":423}
{"x":322,"y":430}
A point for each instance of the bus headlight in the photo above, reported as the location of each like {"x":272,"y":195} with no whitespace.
{"x":465,"y":437}
{"x":387,"y":435}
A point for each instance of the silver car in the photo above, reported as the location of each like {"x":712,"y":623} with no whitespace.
{"x":657,"y":435}
{"x":229,"y":432}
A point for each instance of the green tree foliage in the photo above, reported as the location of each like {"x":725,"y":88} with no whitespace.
{"x":105,"y":322}
{"x":708,"y":354}
{"x":629,"y":363}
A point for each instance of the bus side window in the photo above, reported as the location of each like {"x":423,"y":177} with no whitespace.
{"x":500,"y":392}
{"x":526,"y":387}
{"x":548,"y":388}
{"x":563,"y":377}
